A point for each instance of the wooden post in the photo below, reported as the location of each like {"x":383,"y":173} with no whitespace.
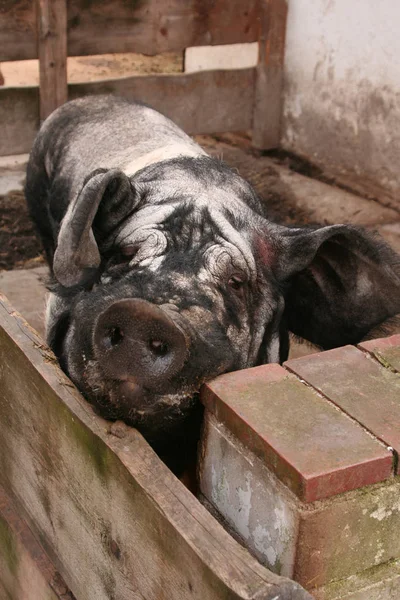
{"x":269,"y":77}
{"x":52,"y":52}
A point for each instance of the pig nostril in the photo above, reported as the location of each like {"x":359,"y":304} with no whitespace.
{"x":134,"y":340}
{"x":158,"y":347}
{"x":114,"y":337}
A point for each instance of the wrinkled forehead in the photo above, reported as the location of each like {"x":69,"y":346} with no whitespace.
{"x":203,"y":232}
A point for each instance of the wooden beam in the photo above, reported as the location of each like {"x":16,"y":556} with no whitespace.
{"x":205,"y":102}
{"x":269,"y":77}
{"x":19,"y":118}
{"x":144,"y":26}
{"x":52,"y":52}
{"x":112,"y":518}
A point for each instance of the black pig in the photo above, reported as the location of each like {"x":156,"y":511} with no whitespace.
{"x":166,"y":273}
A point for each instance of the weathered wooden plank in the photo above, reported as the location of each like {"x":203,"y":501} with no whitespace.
{"x":144,"y":26}
{"x":113,"y":519}
{"x":52,"y":49}
{"x":26,"y":573}
{"x":19,"y":118}
{"x":269,"y":78}
{"x":206,"y":102}
{"x":17,"y":30}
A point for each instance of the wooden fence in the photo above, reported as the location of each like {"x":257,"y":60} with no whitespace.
{"x":205,"y":102}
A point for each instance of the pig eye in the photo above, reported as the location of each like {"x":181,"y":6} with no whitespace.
{"x":237,"y":283}
{"x":129,"y":251}
{"x":120,"y":257}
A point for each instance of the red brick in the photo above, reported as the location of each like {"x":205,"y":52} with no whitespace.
{"x":315,"y":449}
{"x":386,"y":350}
{"x":360,"y":386}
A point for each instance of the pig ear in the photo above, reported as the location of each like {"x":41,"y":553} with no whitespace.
{"x":105,"y":199}
{"x":340,"y":281}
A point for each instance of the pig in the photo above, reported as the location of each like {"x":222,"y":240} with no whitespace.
{"x":166,"y":272}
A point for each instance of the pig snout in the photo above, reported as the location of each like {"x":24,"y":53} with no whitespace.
{"x":138,"y":343}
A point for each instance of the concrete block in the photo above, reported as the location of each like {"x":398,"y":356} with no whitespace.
{"x":312,"y":447}
{"x":361,"y":387}
{"x":316,"y":544}
{"x":254,"y":503}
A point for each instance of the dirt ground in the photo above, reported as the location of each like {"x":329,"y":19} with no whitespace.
{"x":19,"y":245}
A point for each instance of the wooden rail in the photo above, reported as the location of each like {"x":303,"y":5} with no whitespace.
{"x":144,"y":26}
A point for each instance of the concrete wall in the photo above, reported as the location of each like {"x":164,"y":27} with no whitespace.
{"x":342,"y":89}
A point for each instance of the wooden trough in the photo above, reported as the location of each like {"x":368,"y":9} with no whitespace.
{"x":111,"y":519}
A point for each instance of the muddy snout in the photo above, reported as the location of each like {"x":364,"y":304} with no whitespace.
{"x":137,"y":342}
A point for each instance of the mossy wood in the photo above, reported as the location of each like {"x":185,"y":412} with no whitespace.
{"x":205,"y":102}
{"x":112,"y":518}
{"x":144,"y":26}
{"x":26,"y":573}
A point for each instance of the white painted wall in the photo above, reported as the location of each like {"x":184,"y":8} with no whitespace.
{"x":342,"y":88}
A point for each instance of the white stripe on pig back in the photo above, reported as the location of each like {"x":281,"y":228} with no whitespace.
{"x":161,"y":154}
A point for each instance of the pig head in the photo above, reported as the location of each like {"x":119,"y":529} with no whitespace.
{"x":166,"y":273}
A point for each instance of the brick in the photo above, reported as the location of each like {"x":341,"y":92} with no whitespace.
{"x":348,"y":534}
{"x":377,"y":583}
{"x":312,"y":447}
{"x":317,"y":544}
{"x":386,"y":350}
{"x":360,"y":386}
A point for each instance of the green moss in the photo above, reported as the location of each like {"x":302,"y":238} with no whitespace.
{"x":361,"y":581}
{"x":93,"y":447}
{"x":58,"y":415}
{"x":278,"y":567}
